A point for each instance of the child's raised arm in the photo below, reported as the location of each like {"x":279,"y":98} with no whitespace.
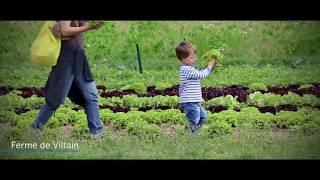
{"x":192,"y":73}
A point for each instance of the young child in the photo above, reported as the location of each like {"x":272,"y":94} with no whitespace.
{"x":190,"y":88}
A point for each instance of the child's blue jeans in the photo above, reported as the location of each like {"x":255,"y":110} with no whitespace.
{"x":195,"y":113}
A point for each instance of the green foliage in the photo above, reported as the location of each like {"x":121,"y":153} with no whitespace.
{"x":134,"y":101}
{"x":26,"y":119}
{"x":153,"y":117}
{"x":115,"y":41}
{"x":256,"y":98}
{"x":13,"y":133}
{"x":16,"y":38}
{"x":11,"y":101}
{"x":164,"y":100}
{"x":143,"y":129}
{"x":162,"y":86}
{"x":131,"y":101}
{"x":257,"y":86}
{"x":314,"y":116}
{"x":287,"y":119}
{"x":138,"y":87}
{"x":115,"y":78}
{"x":53,"y":123}
{"x":310,"y":99}
{"x":67,"y":116}
{"x":229,"y":116}
{"x":33,"y":102}
{"x":8,"y":116}
{"x":307,"y":128}
{"x":121,"y":120}
{"x":219,"y":128}
{"x":305,"y":120}
{"x":311,"y":122}
{"x":250,"y":110}
{"x":173,"y":116}
{"x":227,"y":100}
{"x":113,"y":101}
{"x":80,"y":129}
{"x":105,"y":116}
{"x":212,"y":54}
{"x":259,"y":99}
{"x":305,"y":86}
{"x":247,"y":116}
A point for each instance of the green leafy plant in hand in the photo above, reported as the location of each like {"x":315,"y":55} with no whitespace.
{"x":212,"y":54}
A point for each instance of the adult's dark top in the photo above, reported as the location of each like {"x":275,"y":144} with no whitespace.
{"x":72,"y":63}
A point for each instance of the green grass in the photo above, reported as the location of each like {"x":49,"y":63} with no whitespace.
{"x":16,"y":38}
{"x":241,"y":41}
{"x":112,"y":55}
{"x":249,"y":144}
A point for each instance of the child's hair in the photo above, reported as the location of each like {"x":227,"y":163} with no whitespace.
{"x":183,"y":50}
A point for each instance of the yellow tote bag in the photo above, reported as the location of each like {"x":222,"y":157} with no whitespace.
{"x":45,"y":49}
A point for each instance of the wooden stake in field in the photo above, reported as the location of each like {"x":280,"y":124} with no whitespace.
{"x":139,"y":59}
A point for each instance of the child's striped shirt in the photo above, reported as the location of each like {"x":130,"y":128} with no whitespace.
{"x":190,"y":88}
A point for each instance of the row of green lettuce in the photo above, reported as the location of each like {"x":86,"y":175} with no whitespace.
{"x":305,"y":120}
{"x":13,"y":101}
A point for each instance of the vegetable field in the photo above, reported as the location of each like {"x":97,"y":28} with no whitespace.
{"x":262,"y":103}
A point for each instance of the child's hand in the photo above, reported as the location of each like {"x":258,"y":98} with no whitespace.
{"x":212,"y":63}
{"x":96,"y":26}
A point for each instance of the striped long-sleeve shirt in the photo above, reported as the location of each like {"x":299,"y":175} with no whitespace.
{"x":190,"y":88}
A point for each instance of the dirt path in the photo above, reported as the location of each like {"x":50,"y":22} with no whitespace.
{"x":4,"y":126}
